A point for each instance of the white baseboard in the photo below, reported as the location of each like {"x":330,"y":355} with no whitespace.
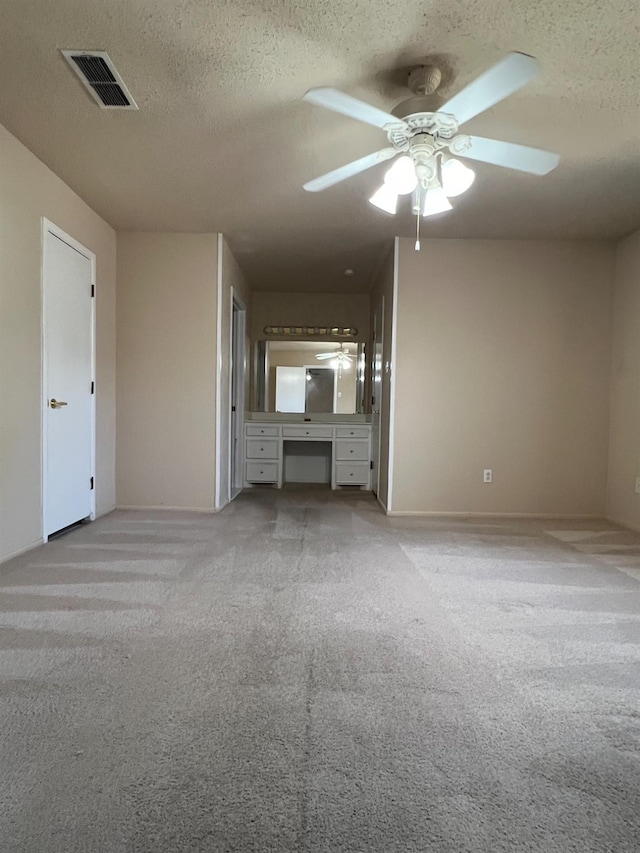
{"x":104,"y":512}
{"x":6,"y":557}
{"x":625,"y":524}
{"x":541,"y":515}
{"x":377,"y":497}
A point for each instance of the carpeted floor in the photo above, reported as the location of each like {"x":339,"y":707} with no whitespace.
{"x":301,"y":673}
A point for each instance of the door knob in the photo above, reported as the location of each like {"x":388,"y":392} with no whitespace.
{"x":57,"y":404}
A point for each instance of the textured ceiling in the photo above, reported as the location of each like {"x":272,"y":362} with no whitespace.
{"x":222,"y":141}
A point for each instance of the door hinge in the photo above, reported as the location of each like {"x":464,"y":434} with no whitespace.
{"x":93,"y":387}
{"x":93,"y":290}
{"x":233,"y":408}
{"x":371,"y":465}
{"x":91,"y":483}
{"x":373,"y":401}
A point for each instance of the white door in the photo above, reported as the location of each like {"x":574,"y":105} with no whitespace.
{"x":291,"y":389}
{"x":68,"y":389}
{"x":376,"y":394}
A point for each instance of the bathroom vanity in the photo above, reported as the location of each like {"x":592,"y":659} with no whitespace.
{"x":301,"y":451}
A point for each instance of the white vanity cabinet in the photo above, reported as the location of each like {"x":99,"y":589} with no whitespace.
{"x":267,"y":446}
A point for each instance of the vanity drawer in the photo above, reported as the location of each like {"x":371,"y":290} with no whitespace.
{"x":352,"y":473}
{"x":352,"y":450}
{"x":352,"y":432}
{"x":262,"y":472}
{"x":307,"y":431}
{"x":262,"y":430}
{"x":262,"y":448}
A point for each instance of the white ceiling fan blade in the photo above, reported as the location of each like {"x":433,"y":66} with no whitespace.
{"x":503,"y":79}
{"x":344,"y":172}
{"x":322,"y":355}
{"x":338,"y":102}
{"x":512,"y":156}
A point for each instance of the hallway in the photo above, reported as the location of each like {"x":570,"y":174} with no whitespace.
{"x":302,"y":673}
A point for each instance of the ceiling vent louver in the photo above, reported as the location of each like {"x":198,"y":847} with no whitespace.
{"x":99,"y":76}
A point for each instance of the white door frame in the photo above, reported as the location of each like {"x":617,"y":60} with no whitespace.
{"x":49,"y":227}
{"x":392,"y":372}
{"x":238,"y":363}
{"x":378,"y":340}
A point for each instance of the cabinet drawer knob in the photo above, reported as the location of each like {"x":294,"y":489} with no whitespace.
{"x":351,"y":451}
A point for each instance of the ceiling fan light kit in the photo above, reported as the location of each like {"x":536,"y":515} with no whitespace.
{"x":337,"y":359}
{"x":426,"y":138}
{"x":385,"y":198}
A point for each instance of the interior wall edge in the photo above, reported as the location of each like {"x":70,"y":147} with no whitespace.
{"x":217,"y":374}
{"x":622,"y":498}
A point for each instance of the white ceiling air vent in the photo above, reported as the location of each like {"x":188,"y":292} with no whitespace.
{"x":100,"y":77}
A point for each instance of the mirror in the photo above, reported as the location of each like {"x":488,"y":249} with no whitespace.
{"x":310,"y":376}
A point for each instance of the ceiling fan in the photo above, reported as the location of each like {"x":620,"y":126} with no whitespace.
{"x":342,"y":359}
{"x":425,"y":135}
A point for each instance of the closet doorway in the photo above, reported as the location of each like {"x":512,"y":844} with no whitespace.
{"x":68,"y":392}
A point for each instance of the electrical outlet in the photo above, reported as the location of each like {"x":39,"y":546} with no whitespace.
{"x":487,"y":477}
{"x":637,"y":485}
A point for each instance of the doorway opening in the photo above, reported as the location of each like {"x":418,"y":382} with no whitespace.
{"x":321,"y":390}
{"x":238,"y":394}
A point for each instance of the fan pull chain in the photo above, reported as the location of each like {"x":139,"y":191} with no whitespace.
{"x":417,"y":246}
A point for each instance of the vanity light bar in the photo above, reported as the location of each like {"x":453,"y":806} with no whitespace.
{"x":334,"y":331}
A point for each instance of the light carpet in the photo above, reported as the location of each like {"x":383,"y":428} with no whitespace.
{"x":301,"y":673}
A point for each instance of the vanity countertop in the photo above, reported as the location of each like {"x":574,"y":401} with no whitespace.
{"x":293,"y":417}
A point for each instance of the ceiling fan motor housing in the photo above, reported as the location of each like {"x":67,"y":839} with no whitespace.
{"x":417,"y":104}
{"x":425,"y":79}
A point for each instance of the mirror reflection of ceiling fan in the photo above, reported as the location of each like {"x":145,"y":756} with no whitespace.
{"x":342,"y":358}
{"x":424,"y":132}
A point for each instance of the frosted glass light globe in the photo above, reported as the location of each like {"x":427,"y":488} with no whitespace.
{"x":401,"y":177}
{"x":435,"y":201}
{"x":386,"y":198}
{"x":456,"y":177}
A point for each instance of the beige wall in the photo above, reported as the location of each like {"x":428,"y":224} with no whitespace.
{"x":167,"y":289}
{"x":232,"y":284}
{"x":310,"y":309}
{"x":29,"y":191}
{"x":382,"y":294}
{"x":503,"y":362}
{"x":623,"y":504}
